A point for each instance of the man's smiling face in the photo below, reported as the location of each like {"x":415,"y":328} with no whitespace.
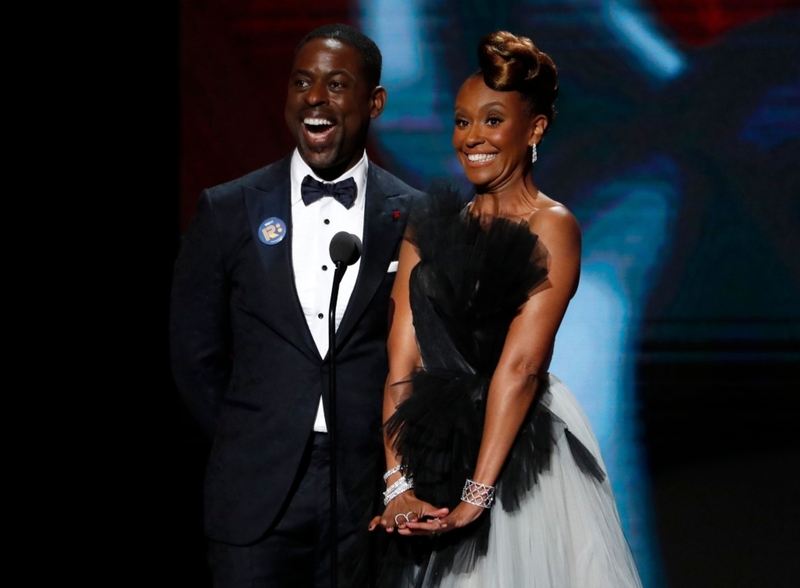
{"x":329,"y":105}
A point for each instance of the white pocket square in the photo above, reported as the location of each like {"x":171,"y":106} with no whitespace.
{"x":392,"y":267}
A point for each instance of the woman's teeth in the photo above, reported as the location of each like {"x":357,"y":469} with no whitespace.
{"x":477,"y":157}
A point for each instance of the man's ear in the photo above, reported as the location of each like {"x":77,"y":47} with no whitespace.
{"x":378,"y":99}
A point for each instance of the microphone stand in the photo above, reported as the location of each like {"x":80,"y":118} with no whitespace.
{"x":337,"y":278}
{"x":345,"y":249}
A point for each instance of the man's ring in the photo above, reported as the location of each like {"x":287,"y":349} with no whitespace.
{"x":398,"y":523}
{"x":408,"y":515}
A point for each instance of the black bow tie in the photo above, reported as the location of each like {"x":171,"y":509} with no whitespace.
{"x":344,"y":191}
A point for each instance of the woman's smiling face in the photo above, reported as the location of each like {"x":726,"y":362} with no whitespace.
{"x":492,"y":135}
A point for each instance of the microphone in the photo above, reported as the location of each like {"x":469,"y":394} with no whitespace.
{"x":345,"y":248}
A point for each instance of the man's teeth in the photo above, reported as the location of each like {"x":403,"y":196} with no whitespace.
{"x":481,"y":156}
{"x":317,"y":122}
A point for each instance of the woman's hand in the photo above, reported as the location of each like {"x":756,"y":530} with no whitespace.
{"x":461,"y":516}
{"x":404,"y":510}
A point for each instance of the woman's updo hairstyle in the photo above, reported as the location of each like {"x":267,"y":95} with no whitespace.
{"x":514,"y":63}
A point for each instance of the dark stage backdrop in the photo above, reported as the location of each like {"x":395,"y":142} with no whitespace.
{"x":676,"y":145}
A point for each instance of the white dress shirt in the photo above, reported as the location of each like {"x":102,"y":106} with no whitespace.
{"x":313,"y":227}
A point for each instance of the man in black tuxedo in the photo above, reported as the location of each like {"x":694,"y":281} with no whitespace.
{"x":249,"y":339}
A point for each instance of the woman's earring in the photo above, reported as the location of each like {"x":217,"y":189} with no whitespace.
{"x":533,"y":153}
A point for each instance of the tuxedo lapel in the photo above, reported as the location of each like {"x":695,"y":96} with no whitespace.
{"x":384,"y":218}
{"x":272,"y":198}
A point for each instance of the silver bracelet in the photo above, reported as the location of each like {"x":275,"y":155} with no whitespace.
{"x":402,"y":481}
{"x":402,"y":485}
{"x":394,"y":470}
{"x":397,"y":483}
{"x":478,"y":494}
{"x":389,"y":497}
{"x":395,"y":494}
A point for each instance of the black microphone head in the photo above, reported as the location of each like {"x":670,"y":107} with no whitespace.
{"x":345,"y":248}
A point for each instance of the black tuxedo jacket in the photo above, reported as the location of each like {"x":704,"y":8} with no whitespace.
{"x":244,"y":359}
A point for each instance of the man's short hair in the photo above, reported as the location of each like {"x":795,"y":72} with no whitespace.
{"x":370,"y":54}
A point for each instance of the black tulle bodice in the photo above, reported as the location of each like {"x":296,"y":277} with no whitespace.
{"x":468,"y":286}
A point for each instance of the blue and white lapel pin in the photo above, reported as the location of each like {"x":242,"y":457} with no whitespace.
{"x":272,"y":231}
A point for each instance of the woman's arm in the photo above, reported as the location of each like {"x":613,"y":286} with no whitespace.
{"x":525,"y":354}
{"x":404,"y":359}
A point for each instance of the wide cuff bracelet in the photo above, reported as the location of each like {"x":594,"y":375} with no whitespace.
{"x":478,"y":494}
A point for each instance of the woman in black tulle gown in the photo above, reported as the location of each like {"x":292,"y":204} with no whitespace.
{"x":494,"y":477}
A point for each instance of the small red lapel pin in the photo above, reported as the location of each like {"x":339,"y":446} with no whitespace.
{"x":395,"y":214}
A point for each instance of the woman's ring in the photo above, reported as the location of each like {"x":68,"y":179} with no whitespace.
{"x":398,"y":523}
{"x":408,"y":515}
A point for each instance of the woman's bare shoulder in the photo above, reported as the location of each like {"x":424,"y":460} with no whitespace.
{"x":553,"y":219}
